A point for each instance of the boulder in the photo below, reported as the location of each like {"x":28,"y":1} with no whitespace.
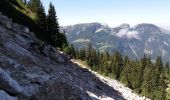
{"x":26,"y":30}
{"x":5,"y":96}
{"x":6,"y":21}
{"x":8,"y":24}
{"x":8,"y":84}
{"x":55,"y":55}
{"x":39,"y":79}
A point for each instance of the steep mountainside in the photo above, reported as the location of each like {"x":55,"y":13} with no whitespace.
{"x":33,"y":70}
{"x":131,"y":41}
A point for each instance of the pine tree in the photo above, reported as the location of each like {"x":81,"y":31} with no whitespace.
{"x":125,"y":74}
{"x":56,"y":38}
{"x":90,"y":55}
{"x":53,"y":26}
{"x":159,"y":64}
{"x":146,"y":86}
{"x":167,"y":68}
{"x":41,"y":17}
{"x":73,"y":52}
{"x":117,"y":65}
{"x":34,"y":5}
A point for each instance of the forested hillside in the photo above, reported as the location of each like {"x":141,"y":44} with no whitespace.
{"x":144,"y":76}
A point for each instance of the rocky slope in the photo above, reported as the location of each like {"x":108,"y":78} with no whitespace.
{"x":33,"y":70}
{"x":134,"y":41}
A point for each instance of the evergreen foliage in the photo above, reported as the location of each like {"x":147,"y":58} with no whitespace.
{"x":34,"y":5}
{"x":41,"y":17}
{"x":143,"y":76}
{"x":45,"y":26}
{"x":56,"y":38}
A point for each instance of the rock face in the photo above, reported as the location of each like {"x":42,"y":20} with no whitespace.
{"x":131,"y":41}
{"x":5,"y":96}
{"x":8,"y":84}
{"x":31,"y":69}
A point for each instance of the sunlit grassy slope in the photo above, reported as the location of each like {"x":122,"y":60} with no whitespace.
{"x":24,"y":9}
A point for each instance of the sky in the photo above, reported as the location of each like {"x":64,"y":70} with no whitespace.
{"x":111,"y":12}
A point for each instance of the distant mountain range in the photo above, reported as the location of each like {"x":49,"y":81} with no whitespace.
{"x":134,"y":41}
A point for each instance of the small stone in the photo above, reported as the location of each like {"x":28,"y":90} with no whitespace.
{"x":8,"y":24}
{"x":26,"y":30}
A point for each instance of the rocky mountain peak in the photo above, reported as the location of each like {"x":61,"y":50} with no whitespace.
{"x":131,"y":41}
{"x":124,"y":26}
{"x":146,"y":27}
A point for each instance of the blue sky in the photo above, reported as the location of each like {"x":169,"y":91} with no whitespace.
{"x":112,"y":12}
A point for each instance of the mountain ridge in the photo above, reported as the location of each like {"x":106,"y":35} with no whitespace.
{"x":131,"y":41}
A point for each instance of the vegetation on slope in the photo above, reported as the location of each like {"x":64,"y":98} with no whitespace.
{"x":168,"y":94}
{"x":143,"y":76}
{"x":45,"y":27}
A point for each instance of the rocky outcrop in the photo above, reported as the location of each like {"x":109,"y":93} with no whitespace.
{"x":32,"y":69}
{"x":8,"y":84}
{"x":5,"y":96}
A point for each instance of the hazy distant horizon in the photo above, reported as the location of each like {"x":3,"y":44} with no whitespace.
{"x":111,"y":12}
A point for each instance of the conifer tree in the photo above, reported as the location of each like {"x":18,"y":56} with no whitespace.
{"x":90,"y":55}
{"x":73,"y":52}
{"x":117,"y":65}
{"x":56,"y":38}
{"x":41,"y":17}
{"x":159,"y":64}
{"x":34,"y":5}
{"x":146,"y":86}
{"x":167,"y":68}
{"x":143,"y":76}
{"x":52,"y":26}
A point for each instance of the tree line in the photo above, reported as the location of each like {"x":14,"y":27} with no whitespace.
{"x":144,"y":76}
{"x":48,"y":23}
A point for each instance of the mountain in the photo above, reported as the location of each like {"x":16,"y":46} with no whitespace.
{"x":134,"y":41}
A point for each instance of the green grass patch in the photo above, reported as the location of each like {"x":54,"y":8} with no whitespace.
{"x":168,"y":94}
{"x":81,"y":63}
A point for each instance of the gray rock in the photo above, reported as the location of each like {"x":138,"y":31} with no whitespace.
{"x":26,"y":30}
{"x":54,"y":54}
{"x":5,"y":96}
{"x":8,"y":24}
{"x":35,"y":78}
{"x":9,"y":84}
{"x":6,"y":21}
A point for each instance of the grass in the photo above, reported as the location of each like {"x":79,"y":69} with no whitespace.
{"x":24,"y":9}
{"x":81,"y":63}
{"x":168,"y":93}
{"x":20,"y":14}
